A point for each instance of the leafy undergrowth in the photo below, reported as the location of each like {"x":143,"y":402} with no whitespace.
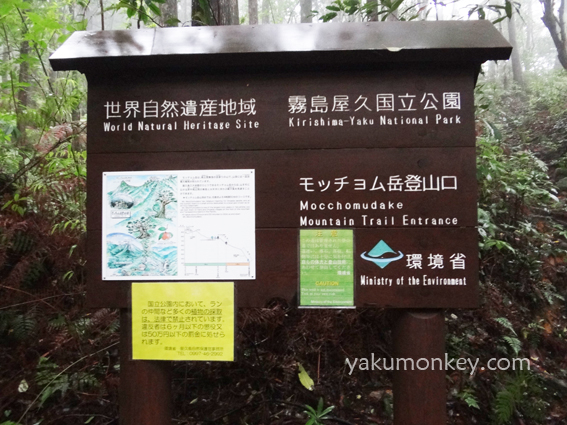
{"x":58,"y":359}
{"x":60,"y":362}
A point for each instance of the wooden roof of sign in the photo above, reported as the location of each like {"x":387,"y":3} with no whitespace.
{"x":299,"y":46}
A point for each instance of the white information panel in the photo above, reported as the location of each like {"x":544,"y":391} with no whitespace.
{"x":169,"y":225}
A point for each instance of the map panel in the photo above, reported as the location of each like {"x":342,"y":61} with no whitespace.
{"x":197,"y":224}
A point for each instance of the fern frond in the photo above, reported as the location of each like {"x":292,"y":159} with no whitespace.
{"x":34,"y":274}
{"x":514,"y":344}
{"x":22,"y":243}
{"x":505,"y":406}
{"x":57,"y":324}
{"x":506,"y":323}
{"x":23,"y":326}
{"x":83,"y":381}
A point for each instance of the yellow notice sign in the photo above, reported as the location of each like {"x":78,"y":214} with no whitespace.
{"x":183,"y":321}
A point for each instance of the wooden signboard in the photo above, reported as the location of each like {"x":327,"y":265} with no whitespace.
{"x":352,"y":135}
{"x":327,"y":165}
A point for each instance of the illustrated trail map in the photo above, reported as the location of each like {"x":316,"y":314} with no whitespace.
{"x":190,"y":225}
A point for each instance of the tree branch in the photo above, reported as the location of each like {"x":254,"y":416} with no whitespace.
{"x":561,"y":13}
{"x":33,"y":164}
{"x":556,"y":28}
{"x":36,"y":51}
{"x":102,"y":15}
{"x":13,"y":89}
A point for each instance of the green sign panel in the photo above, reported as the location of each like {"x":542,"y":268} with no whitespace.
{"x":326,"y":277}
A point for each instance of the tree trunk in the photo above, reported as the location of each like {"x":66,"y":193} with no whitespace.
{"x":265,"y":15}
{"x":556,"y":28}
{"x":161,"y":212}
{"x":185,"y":12}
{"x":253,"y":12}
{"x":5,"y":58}
{"x":491,"y":74}
{"x":225,"y":12}
{"x":196,"y":13}
{"x":169,"y":16}
{"x":529,"y":46}
{"x":373,"y":13}
{"x":306,"y":11}
{"x":24,"y":77}
{"x":517,"y":72}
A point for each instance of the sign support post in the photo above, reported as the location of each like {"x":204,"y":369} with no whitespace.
{"x":145,"y":385}
{"x":420,"y":395}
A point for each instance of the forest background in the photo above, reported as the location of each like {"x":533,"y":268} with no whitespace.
{"x":59,"y":362}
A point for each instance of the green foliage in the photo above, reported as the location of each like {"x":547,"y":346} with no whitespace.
{"x":316,"y":417}
{"x":304,"y":378}
{"x":144,"y":11}
{"x":41,"y":27}
{"x":22,"y":243}
{"x":502,"y":11}
{"x":512,"y":186}
{"x":388,"y":405}
{"x":17,"y":204}
{"x":10,"y":154}
{"x":404,"y":10}
{"x":54,"y":382}
{"x":522,"y":256}
{"x":20,"y":326}
{"x":58,"y":323}
{"x":34,"y":274}
{"x":520,"y":395}
{"x":532,"y":334}
{"x":514,"y":343}
{"x":203,"y":15}
{"x":43,"y":165}
{"x":42,"y":190}
{"x":506,"y":323}
{"x":550,"y":96}
{"x":511,"y":341}
{"x":467,"y":395}
{"x":537,"y":122}
{"x":62,"y":177}
{"x":382,"y":9}
{"x":87,"y":327}
{"x":518,"y":179}
{"x":51,"y":381}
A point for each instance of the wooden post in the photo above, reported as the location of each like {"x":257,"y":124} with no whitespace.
{"x":420,"y":396}
{"x":145,"y":386}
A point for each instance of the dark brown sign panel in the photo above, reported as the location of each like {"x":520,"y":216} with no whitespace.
{"x":368,"y":138}
{"x":352,"y":188}
{"x":438,"y":267}
{"x":422,"y":107}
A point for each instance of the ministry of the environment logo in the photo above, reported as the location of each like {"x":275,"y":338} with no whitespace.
{"x":382,"y":255}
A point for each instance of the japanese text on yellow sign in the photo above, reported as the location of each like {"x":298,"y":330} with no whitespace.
{"x":183,"y":321}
